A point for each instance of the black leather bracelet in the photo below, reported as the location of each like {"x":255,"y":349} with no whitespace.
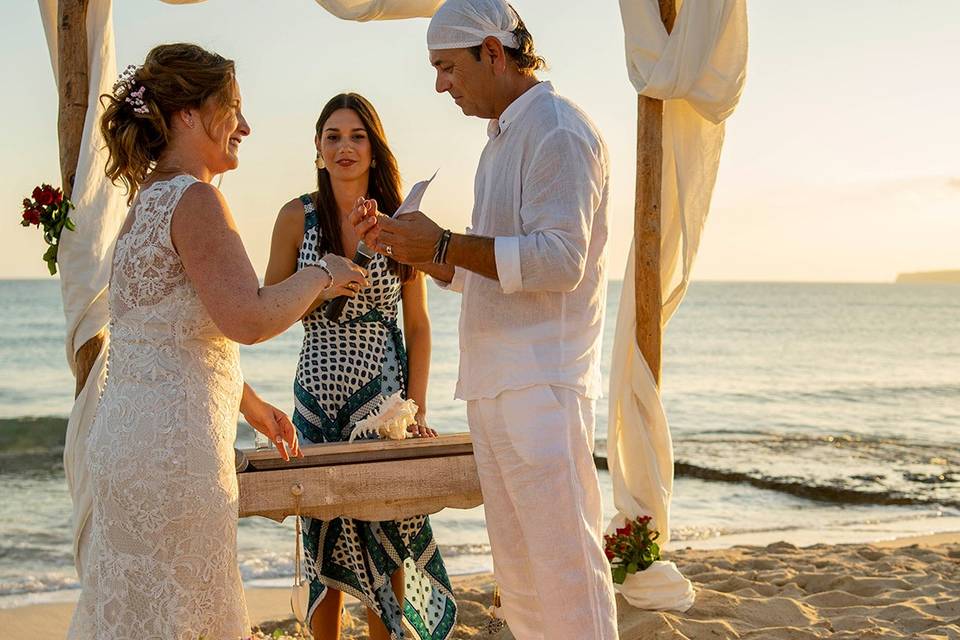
{"x":445,"y":248}
{"x":440,"y":251}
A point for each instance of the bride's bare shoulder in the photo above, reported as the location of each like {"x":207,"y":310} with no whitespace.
{"x":202,"y":197}
{"x":201,"y":207}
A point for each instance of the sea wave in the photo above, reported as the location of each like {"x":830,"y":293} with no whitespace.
{"x":32,"y":434}
{"x":38,"y":583}
{"x":854,"y":394}
{"x":265,"y":565}
{"x":261,"y":566}
{"x":804,"y":488}
{"x":841,"y":468}
{"x":864,"y":522}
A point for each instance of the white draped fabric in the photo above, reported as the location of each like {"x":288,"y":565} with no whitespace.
{"x":84,"y":254}
{"x":698,"y":70}
{"x":366,"y":10}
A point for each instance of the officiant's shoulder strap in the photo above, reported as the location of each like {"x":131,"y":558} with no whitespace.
{"x":310,"y":219}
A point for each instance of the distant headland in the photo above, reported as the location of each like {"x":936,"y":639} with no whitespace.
{"x":930,"y":277}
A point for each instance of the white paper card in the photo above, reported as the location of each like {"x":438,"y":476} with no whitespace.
{"x":412,"y":201}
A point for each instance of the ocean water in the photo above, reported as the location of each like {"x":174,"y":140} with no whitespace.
{"x":802,"y":412}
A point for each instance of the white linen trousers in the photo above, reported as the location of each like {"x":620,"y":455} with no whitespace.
{"x":541,"y":494}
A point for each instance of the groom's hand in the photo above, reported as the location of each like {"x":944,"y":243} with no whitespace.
{"x":410,"y":238}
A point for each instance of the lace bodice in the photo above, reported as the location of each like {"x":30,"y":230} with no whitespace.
{"x":162,"y":556}
{"x":152,"y":302}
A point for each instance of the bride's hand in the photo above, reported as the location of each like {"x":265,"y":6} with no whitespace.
{"x":420,"y":429}
{"x":348,"y":278}
{"x":273,"y":423}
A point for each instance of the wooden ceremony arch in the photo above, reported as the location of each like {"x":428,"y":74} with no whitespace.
{"x":360,"y":479}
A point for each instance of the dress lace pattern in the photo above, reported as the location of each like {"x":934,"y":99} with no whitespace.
{"x":162,"y":556}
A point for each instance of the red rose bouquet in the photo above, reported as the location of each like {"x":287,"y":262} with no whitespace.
{"x":631,"y":548}
{"x":50,"y":210}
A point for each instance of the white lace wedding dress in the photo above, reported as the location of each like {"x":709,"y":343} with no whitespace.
{"x":162,"y":557}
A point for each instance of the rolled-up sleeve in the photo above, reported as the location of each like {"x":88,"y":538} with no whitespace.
{"x":506,"y":250}
{"x":456,"y":284}
{"x":562,"y":188}
{"x":459,"y":275}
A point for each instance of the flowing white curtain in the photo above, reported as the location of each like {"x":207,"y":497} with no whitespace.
{"x":366,"y":10}
{"x":84,"y":254}
{"x":698,"y":70}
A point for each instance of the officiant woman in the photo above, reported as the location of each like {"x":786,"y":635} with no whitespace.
{"x":346,"y":367}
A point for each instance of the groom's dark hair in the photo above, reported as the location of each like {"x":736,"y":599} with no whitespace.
{"x":523,"y":54}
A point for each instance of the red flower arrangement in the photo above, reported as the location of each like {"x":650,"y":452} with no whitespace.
{"x":50,"y":210}
{"x":631,"y":548}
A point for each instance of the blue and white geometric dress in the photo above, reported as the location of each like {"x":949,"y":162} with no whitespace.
{"x":345,"y":367}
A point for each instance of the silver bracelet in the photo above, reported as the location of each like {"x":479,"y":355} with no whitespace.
{"x":322,"y":265}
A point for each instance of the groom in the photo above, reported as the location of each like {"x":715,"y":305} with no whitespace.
{"x":532,"y":275}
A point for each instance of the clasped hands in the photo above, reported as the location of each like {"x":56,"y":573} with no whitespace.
{"x":409,"y":238}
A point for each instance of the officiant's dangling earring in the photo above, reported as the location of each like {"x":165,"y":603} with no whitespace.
{"x":319,"y":162}
{"x":373,"y":163}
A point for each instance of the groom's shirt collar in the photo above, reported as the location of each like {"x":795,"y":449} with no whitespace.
{"x":497,"y":126}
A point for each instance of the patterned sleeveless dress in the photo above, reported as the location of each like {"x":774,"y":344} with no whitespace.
{"x":345,"y":366}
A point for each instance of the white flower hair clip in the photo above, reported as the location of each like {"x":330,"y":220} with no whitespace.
{"x":125,"y":84}
{"x":135,"y":99}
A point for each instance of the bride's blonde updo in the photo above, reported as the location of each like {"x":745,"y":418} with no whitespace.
{"x":137,"y":121}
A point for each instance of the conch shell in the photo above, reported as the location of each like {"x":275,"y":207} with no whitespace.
{"x":389,"y":420}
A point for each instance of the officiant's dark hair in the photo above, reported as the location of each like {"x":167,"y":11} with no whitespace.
{"x":384,"y":183}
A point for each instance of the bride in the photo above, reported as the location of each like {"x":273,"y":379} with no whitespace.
{"x":161,"y":560}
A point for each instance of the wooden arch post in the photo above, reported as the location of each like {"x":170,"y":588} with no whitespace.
{"x":73,"y":87}
{"x":647,"y":210}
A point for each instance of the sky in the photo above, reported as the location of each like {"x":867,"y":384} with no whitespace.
{"x":840,"y":164}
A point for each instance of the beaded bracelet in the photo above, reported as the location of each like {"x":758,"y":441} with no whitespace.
{"x":322,"y":265}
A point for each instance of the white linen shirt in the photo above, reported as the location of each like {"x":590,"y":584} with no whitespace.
{"x":541,"y":191}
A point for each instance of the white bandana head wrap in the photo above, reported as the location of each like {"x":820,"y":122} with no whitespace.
{"x":459,"y":24}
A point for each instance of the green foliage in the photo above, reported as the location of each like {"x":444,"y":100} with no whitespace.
{"x":50,"y":211}
{"x":631,"y":548}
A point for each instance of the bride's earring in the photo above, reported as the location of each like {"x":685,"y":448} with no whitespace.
{"x":373,"y":163}
{"x":319,"y":161}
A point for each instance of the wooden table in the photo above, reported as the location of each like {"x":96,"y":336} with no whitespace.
{"x":367,"y":480}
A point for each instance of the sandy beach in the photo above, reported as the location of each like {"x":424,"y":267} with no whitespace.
{"x":906,"y":588}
